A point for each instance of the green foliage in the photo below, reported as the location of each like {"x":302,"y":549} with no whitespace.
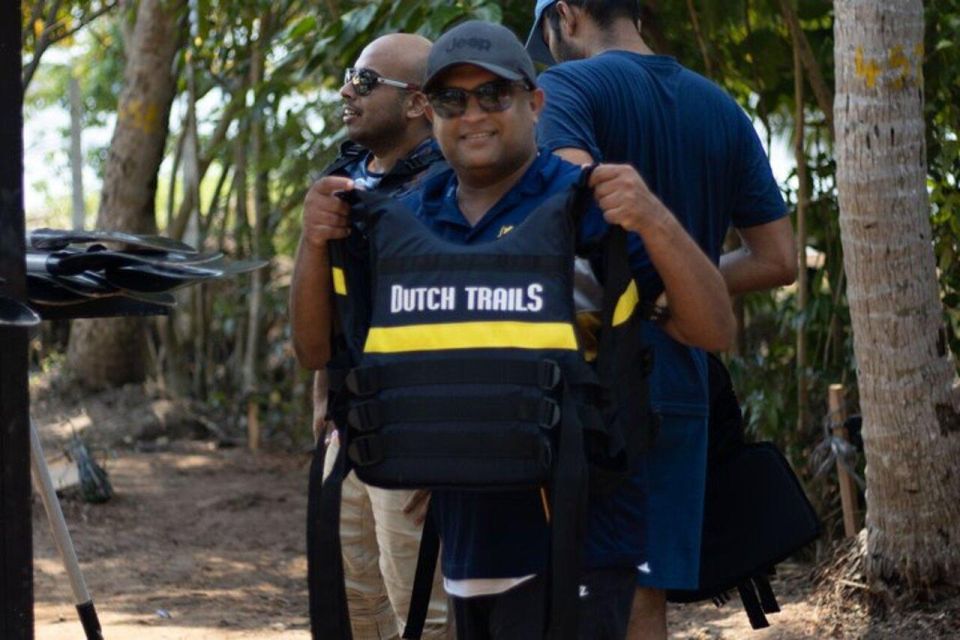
{"x":942,"y":89}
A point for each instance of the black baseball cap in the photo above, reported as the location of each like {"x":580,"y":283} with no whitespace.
{"x":489,"y":46}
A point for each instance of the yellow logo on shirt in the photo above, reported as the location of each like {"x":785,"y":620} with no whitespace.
{"x":504,"y":230}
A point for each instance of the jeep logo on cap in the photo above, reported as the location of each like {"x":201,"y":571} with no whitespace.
{"x":481,"y":44}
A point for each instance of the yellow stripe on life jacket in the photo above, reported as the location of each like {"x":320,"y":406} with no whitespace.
{"x":626,"y":304}
{"x":339,"y":281}
{"x":471,"y":335}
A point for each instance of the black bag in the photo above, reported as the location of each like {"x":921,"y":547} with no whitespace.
{"x":755,"y":511}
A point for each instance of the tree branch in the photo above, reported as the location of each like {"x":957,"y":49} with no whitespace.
{"x":695,"y":22}
{"x":333,"y":6}
{"x":42,"y":43}
{"x":84,"y":21}
{"x":179,"y":224}
{"x":821,"y":90}
{"x":652,"y":29}
{"x":50,"y":34}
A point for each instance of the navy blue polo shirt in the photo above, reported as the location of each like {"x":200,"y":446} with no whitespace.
{"x":436,"y":203}
{"x":505,"y":534}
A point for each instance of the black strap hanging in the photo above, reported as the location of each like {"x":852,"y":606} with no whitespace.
{"x":568,"y":513}
{"x":751,"y":604}
{"x":768,"y":600}
{"x":423,"y":579}
{"x":329,"y":616}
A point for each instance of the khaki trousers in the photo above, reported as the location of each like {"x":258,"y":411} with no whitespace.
{"x":380,"y":545}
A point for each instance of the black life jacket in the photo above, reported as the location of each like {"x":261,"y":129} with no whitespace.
{"x":756,"y":513}
{"x":352,"y":319}
{"x":465,"y":371}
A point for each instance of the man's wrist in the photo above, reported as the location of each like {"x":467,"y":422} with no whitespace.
{"x":318,"y":248}
{"x":660,"y":226}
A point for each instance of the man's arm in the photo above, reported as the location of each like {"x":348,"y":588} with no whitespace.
{"x":766,"y":258}
{"x":324,"y":219}
{"x":700,"y":309}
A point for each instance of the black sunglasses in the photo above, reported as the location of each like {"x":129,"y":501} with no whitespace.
{"x":364,"y":81}
{"x":493,"y":97}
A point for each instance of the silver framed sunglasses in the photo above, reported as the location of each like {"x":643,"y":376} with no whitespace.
{"x":364,"y":81}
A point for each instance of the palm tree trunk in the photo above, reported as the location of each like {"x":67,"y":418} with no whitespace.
{"x":908,"y":389}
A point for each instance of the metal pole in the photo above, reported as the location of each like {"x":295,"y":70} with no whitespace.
{"x":16,"y":550}
{"x":61,"y":536}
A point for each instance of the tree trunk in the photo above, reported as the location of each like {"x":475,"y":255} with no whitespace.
{"x":909,"y":394}
{"x":76,"y":154}
{"x":802,"y":49}
{"x":111,"y":352}
{"x":803,"y":199}
{"x":261,"y":208}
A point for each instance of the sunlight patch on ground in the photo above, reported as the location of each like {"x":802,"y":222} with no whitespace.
{"x":186,"y":462}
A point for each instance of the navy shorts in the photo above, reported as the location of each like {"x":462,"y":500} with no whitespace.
{"x":606,"y":596}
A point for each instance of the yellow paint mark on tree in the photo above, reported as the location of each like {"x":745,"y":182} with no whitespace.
{"x":900,"y":65}
{"x":140,"y":115}
{"x":899,"y":70}
{"x":867,"y":69}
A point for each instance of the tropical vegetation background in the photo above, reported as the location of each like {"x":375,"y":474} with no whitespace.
{"x":253,"y":115}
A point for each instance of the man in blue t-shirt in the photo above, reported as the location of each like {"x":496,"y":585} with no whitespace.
{"x":484,"y":104}
{"x":613,"y":100}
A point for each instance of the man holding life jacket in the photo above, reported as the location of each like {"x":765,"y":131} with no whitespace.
{"x":484,"y":104}
{"x":389,"y":149}
{"x":613,"y":100}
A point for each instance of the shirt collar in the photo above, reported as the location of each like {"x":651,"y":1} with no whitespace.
{"x":440,"y":193}
{"x":364,"y":156}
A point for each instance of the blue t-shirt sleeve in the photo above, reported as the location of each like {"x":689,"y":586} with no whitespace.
{"x":758,"y":199}
{"x":568,"y":119}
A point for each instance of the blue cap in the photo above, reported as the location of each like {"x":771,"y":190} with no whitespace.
{"x":536,"y":46}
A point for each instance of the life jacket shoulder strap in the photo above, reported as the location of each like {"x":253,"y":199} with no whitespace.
{"x":348,"y":153}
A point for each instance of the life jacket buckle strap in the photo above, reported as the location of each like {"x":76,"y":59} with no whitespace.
{"x":549,"y":414}
{"x":548,"y":375}
{"x":365,"y":416}
{"x":335,"y":379}
{"x":366,"y":451}
{"x":362,"y":382}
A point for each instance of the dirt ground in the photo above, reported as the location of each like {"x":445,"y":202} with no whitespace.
{"x":206,"y":542}
{"x":201,"y":542}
